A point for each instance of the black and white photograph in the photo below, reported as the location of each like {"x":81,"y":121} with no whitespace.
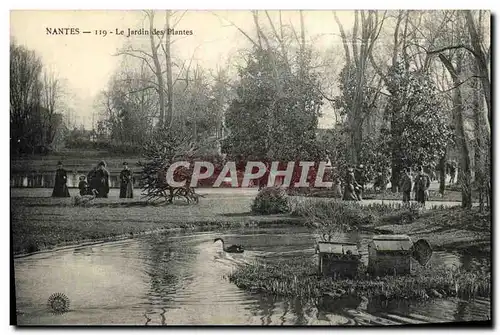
{"x":251,"y":167}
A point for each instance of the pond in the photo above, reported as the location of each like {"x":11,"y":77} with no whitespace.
{"x":180,"y":279}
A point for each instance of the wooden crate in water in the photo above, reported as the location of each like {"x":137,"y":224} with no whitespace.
{"x":389,"y":255}
{"x":337,"y":259}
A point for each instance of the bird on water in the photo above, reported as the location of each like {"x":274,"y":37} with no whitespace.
{"x":238,"y":249}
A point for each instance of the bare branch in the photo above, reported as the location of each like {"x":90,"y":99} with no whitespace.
{"x":454,"y":47}
{"x":376,"y":68}
{"x":459,"y":84}
{"x":179,"y":20}
{"x":447,"y":63}
{"x":344,"y":38}
{"x":241,"y":30}
{"x":260,"y":34}
{"x":131,"y":54}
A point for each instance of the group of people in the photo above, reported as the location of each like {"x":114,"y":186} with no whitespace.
{"x":355,"y":181}
{"x":96,"y":181}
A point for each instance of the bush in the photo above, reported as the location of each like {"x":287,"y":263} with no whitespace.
{"x":299,"y":278}
{"x":271,"y":200}
{"x":333,"y":217}
{"x":333,"y":212}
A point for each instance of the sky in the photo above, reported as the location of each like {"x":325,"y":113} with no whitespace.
{"x":86,"y":61}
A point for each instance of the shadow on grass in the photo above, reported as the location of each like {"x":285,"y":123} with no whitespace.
{"x":112,"y":205}
{"x":242,"y":214}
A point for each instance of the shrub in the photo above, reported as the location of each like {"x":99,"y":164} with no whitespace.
{"x":331,"y":218}
{"x":333,"y":211}
{"x":299,"y":278}
{"x":271,"y":200}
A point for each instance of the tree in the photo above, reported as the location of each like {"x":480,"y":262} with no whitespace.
{"x":129,"y":104}
{"x":276,"y":124}
{"x":34,"y":99}
{"x":166,"y":147}
{"x":50,"y":99}
{"x":462,"y":141}
{"x":155,"y":63}
{"x":419,"y":130}
{"x":277,"y":95}
{"x":354,"y":79}
{"x":465,"y":56}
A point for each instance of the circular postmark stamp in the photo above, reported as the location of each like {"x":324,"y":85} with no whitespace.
{"x":58,"y":303}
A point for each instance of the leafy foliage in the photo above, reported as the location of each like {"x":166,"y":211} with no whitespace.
{"x":275,"y":113}
{"x":271,"y":200}
{"x":34,"y":97}
{"x":348,"y":87}
{"x":167,"y":147}
{"x":419,"y":130}
{"x":374,"y":155}
{"x":298,"y":278}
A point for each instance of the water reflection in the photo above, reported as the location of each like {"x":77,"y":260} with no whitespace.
{"x":178,"y":279}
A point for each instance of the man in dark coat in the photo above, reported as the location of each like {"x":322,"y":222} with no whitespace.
{"x":92,"y":180}
{"x":360,"y":176}
{"x":60,"y":187}
{"x":126,"y":182}
{"x":422,"y":184}
{"x":406,"y":185}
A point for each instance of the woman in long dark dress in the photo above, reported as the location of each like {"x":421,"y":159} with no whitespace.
{"x":101,"y":180}
{"x":92,"y":180}
{"x":351,"y":187}
{"x":126,"y":182}
{"x":60,"y":187}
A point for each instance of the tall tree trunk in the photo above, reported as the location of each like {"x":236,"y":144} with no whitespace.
{"x":395,"y":164}
{"x":442,"y":173}
{"x":482,"y":63}
{"x":158,"y":72}
{"x":479,"y":151}
{"x":464,"y":174}
{"x":170,"y":97}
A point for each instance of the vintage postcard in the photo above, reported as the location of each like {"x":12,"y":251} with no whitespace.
{"x":250,"y":167}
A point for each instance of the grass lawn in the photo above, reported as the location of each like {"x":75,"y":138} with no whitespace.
{"x":452,"y":228}
{"x":434,"y":195}
{"x":40,"y":222}
{"x":444,"y":227}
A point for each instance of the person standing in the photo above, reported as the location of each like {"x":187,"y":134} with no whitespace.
{"x":406,"y":185}
{"x":337,"y":186}
{"x":101,"y":180}
{"x":91,"y":178}
{"x":60,"y":188}
{"x":453,"y":171}
{"x":421,"y":187}
{"x":351,"y":186}
{"x":359,"y":175}
{"x":126,"y":182}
